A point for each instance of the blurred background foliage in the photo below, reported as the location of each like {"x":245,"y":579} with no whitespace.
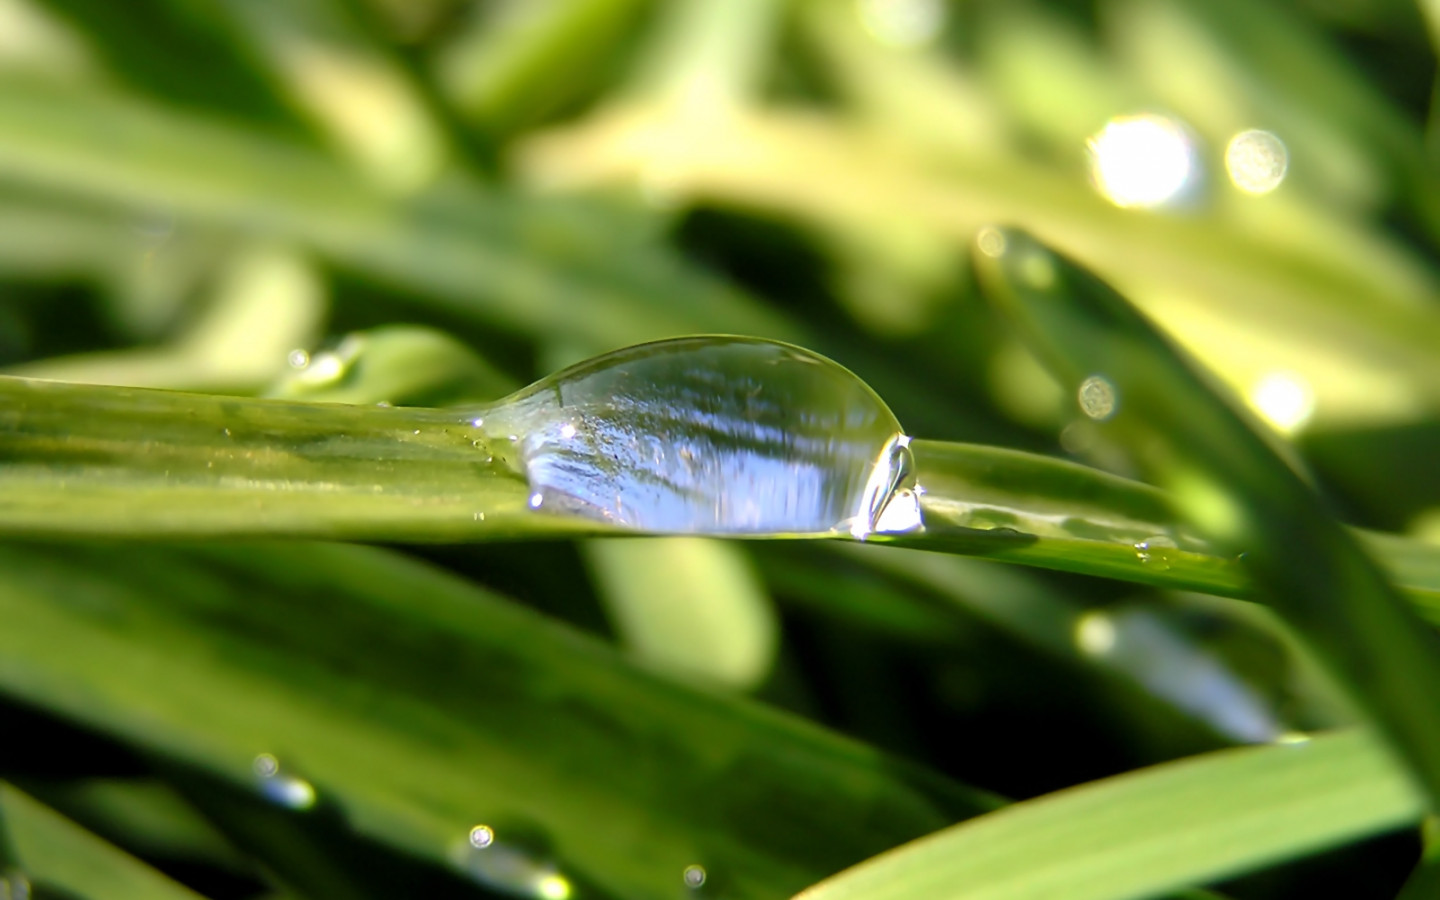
{"x":430,"y":202}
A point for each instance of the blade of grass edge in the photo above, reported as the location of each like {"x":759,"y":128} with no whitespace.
{"x":1231,"y":811}
{"x":1232,"y":483}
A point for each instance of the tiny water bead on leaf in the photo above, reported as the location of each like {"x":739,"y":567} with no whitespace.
{"x":710,"y":435}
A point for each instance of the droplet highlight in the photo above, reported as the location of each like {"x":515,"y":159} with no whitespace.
{"x":1284,"y":399}
{"x":694,"y":876}
{"x":482,"y":836}
{"x":991,"y":242}
{"x":280,"y":787}
{"x":518,"y":866}
{"x":712,"y":435}
{"x":1141,"y":161}
{"x":1156,"y":552}
{"x":1097,"y":398}
{"x":1256,"y":161}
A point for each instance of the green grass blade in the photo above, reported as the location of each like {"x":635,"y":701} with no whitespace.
{"x":1232,"y":483}
{"x":149,"y":464}
{"x":419,"y":706}
{"x":1144,"y":833}
{"x":53,"y":852}
{"x":1012,"y":506}
{"x":117,"y":461}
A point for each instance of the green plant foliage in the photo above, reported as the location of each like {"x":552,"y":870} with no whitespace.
{"x":901,"y":529}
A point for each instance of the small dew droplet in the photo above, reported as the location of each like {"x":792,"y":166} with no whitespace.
{"x":477,"y":422}
{"x":482,"y":836}
{"x":991,"y":242}
{"x":298,"y":358}
{"x":535,"y":500}
{"x":1097,"y":398}
{"x":279,"y":788}
{"x":1257,"y":161}
{"x":1156,"y":552}
{"x":694,"y":876}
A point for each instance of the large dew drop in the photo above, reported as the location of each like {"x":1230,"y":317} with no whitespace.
{"x":711,"y":435}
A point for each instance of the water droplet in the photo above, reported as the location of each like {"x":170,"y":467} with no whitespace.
{"x":513,"y":863}
{"x":1097,"y":398}
{"x":694,"y":876}
{"x":1141,"y":161}
{"x":281,"y":788}
{"x":991,"y":241}
{"x":1156,"y":552}
{"x":1257,"y":161}
{"x":477,"y":422}
{"x":713,"y":435}
{"x":298,"y":358}
{"x":482,"y":836}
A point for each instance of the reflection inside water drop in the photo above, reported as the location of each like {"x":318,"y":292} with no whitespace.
{"x":482,"y":836}
{"x":694,"y":876}
{"x":281,"y":788}
{"x":712,"y":435}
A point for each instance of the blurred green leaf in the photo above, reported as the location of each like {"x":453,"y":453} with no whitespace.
{"x":1229,"y":481}
{"x":689,"y":606}
{"x":1120,"y":839}
{"x":420,"y":706}
{"x":55,"y":853}
{"x":547,"y":267}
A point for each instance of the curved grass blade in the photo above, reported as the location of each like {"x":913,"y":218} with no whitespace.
{"x":1232,"y":811}
{"x":1229,"y":481}
{"x":418,"y":706}
{"x":131,"y":462}
{"x":1013,"y":506}
{"x":97,"y":461}
{"x":51,"y":852}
